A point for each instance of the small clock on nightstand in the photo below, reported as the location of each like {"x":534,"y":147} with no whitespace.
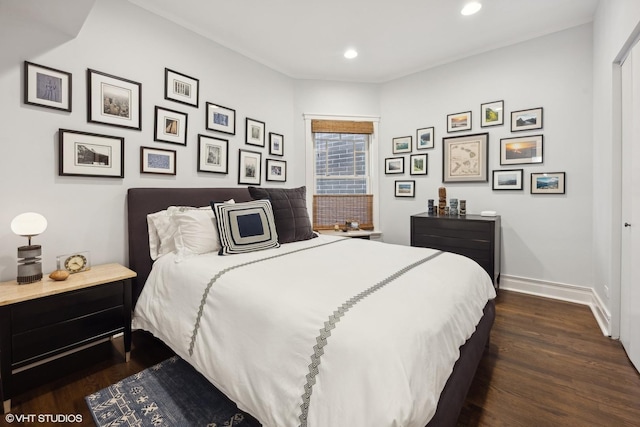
{"x":74,"y":263}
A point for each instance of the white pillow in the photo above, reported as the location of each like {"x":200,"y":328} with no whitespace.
{"x":195,"y":231}
{"x":161,"y":231}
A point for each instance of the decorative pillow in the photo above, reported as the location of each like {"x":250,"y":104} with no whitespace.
{"x":289,"y":210}
{"x":245,"y":227}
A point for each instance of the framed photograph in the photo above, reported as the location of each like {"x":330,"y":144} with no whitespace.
{"x":90,"y":154}
{"x":394,"y":165}
{"x":157,"y":160}
{"x":548,"y":183}
{"x":491,"y":114}
{"x":424,"y":138}
{"x":181,"y":88}
{"x":254,"y":131}
{"x":276,"y":170}
{"x":213,"y":154}
{"x":276,"y":144}
{"x":114,"y":101}
{"x":221,"y":119}
{"x":249,"y":167}
{"x":459,"y":122}
{"x":465,"y":158}
{"x":47,"y":87}
{"x":507,"y":179}
{"x":418,"y":164}
{"x":405,"y":189}
{"x":401,"y":144}
{"x":526,"y":119}
{"x":521,"y":150}
{"x":171,"y":126}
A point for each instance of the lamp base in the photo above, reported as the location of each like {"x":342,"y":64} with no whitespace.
{"x":29,"y":268}
{"x":23,"y":280}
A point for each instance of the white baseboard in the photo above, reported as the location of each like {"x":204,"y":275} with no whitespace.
{"x":563,"y":292}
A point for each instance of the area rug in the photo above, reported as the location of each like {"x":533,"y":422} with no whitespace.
{"x":170,"y":393}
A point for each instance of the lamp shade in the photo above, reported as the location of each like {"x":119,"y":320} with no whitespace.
{"x":28,"y":224}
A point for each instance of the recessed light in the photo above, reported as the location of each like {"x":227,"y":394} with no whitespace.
{"x":471,"y":8}
{"x":350,"y":54}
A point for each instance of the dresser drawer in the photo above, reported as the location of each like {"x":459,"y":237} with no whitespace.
{"x":456,"y":229}
{"x":39,"y":343}
{"x":59,"y":308}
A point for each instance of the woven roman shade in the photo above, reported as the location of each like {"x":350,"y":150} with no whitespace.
{"x":330,"y":209}
{"x":341,"y":126}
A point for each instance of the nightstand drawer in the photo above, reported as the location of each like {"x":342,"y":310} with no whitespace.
{"x":59,"y":308}
{"x":48,"y":340}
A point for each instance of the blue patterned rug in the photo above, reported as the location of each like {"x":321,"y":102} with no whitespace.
{"x":170,"y":393}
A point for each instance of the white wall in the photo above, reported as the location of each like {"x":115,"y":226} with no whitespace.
{"x":615,"y":25}
{"x":120,"y":39}
{"x":545,"y":237}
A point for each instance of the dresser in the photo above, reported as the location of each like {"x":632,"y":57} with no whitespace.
{"x":474,"y":236}
{"x":46,"y":320}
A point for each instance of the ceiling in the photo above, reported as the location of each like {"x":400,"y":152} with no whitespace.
{"x":306,"y":39}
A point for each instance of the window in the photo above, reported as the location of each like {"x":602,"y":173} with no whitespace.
{"x":342,"y":173}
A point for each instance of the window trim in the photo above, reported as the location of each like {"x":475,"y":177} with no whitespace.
{"x":373,"y":159}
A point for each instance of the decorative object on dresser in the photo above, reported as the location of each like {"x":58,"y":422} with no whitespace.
{"x":48,"y":320}
{"x":47,"y":87}
{"x":90,"y":154}
{"x":170,"y":126}
{"x":181,"y":88}
{"x":465,"y":158}
{"x":459,"y":122}
{"x":220,"y":119}
{"x":474,"y":236}
{"x":442,"y":200}
{"x":157,"y":160}
{"x":254,"y":132}
{"x":526,"y":119}
{"x":491,"y":114}
{"x":28,"y":225}
{"x":75,"y":262}
{"x":463,"y":207}
{"x":114,"y":101}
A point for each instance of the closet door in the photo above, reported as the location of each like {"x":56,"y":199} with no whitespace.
{"x":630,"y":251}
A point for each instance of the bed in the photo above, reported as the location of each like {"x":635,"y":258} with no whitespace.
{"x":284,"y":335}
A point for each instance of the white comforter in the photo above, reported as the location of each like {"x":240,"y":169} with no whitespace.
{"x":386,"y":360}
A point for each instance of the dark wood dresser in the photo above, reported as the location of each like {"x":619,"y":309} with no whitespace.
{"x":474,"y":236}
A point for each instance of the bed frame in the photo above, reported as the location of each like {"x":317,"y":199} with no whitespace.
{"x":143,"y":201}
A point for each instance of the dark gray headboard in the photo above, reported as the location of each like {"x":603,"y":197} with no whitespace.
{"x":143,"y":201}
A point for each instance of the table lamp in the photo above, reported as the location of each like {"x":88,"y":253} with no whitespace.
{"x":28,"y":225}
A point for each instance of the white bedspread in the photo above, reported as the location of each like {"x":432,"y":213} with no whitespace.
{"x":384,"y":363}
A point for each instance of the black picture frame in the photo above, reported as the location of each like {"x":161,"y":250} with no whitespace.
{"x":405,"y":188}
{"x":276,"y":144}
{"x":90,"y":154}
{"x":170,"y":126}
{"x":157,"y":161}
{"x":181,"y":88}
{"x":47,"y":87}
{"x":492,"y":114}
{"x":254,"y":132}
{"x":521,"y":150}
{"x":524,"y":120}
{"x":465,"y":158}
{"x":394,"y":165}
{"x":459,"y":122}
{"x":402,"y":144}
{"x":275,"y":170}
{"x":507,"y":179}
{"x":113,"y":101}
{"x":220,"y":119}
{"x":419,"y":164}
{"x":249,"y":167}
{"x":425,"y":138}
{"x":548,"y":183}
{"x":213,"y":154}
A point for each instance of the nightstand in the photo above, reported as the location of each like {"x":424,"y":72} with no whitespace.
{"x":47,"y":320}
{"x":356,"y":234}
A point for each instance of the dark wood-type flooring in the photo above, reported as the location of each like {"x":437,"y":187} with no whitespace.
{"x":548,"y":364}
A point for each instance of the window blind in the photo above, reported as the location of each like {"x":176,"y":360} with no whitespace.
{"x":341,"y":126}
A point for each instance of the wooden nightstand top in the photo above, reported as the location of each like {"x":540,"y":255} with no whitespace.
{"x":352,"y":233}
{"x":11,"y":292}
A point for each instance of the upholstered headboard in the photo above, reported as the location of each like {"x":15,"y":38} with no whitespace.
{"x":143,"y":201}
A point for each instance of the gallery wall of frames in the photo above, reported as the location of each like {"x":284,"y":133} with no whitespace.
{"x":465,"y":156}
{"x":115,"y":101}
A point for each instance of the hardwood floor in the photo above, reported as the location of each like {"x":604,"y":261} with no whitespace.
{"x":548,"y":364}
